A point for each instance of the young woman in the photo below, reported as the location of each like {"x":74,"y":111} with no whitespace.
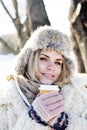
{"x":44,"y":61}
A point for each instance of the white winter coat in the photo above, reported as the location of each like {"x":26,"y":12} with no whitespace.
{"x":14,"y":111}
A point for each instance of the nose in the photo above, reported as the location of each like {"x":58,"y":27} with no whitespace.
{"x":51,"y":66}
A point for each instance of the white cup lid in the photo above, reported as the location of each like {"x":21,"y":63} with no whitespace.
{"x":48,"y":87}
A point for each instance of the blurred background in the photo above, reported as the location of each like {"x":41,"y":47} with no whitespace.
{"x":18,"y":19}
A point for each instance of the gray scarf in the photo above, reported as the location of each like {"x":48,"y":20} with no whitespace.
{"x":28,"y":87}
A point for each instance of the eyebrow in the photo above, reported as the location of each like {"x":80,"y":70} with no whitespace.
{"x":48,"y":57}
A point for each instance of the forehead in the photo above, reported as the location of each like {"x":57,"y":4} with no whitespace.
{"x":51,"y":53}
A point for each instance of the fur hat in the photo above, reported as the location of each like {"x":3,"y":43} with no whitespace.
{"x":44,"y":37}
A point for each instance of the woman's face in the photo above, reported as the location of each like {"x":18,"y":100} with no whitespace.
{"x":49,"y":66}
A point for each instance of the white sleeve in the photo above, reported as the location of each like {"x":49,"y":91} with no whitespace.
{"x":26,"y":123}
{"x":76,"y":123}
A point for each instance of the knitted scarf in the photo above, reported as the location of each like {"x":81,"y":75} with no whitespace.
{"x":28,"y":87}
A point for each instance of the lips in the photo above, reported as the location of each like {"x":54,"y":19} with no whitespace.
{"x":48,"y":76}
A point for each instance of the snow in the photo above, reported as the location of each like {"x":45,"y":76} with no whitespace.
{"x":6,"y":66}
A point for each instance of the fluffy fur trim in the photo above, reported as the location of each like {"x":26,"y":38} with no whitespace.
{"x":43,"y":38}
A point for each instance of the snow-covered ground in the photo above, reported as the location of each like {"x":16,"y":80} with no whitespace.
{"x":6,"y":66}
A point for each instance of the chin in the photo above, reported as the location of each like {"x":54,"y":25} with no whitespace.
{"x":47,"y":82}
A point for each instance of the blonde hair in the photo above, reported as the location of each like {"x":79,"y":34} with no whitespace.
{"x":32,"y":70}
{"x":65,"y":76}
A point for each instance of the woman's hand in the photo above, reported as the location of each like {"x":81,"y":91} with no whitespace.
{"x":49,"y":106}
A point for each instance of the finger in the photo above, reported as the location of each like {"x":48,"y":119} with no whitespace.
{"x":41,"y":110}
{"x":52,"y":100}
{"x":48,"y":95}
{"x":54,"y":106}
{"x":57,"y":111}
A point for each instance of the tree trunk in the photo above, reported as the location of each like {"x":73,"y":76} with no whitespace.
{"x":78,"y":21}
{"x":80,"y":65}
{"x":37,"y":15}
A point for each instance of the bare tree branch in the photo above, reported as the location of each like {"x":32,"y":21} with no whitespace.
{"x":5,"y":44}
{"x":38,"y":18}
{"x":15,"y":4}
{"x":6,"y":10}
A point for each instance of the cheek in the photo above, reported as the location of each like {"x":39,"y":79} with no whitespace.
{"x":41,"y":66}
{"x":41,"y":69}
{"x":58,"y":70}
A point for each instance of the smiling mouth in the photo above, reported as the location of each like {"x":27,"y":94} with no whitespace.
{"x":49,"y":76}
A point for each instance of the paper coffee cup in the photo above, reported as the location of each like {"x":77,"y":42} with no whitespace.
{"x":47,"y":88}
